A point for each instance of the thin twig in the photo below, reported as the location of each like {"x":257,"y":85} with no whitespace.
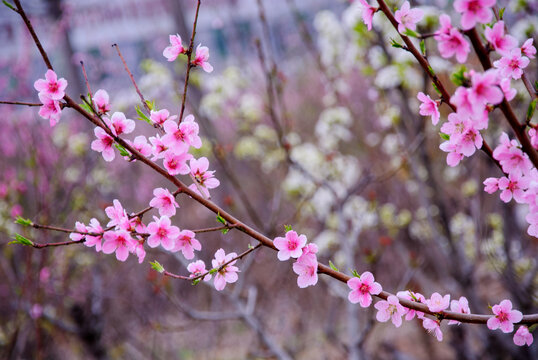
{"x":146,"y":106}
{"x":19,"y":103}
{"x":86,"y":78}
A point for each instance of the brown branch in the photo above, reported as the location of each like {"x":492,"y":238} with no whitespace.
{"x":189,"y":65}
{"x":211,"y":229}
{"x":132,"y":78}
{"x":63,"y":243}
{"x":19,"y":103}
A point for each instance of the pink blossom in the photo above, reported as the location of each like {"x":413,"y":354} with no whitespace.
{"x":484,"y":88}
{"x":158,"y":147}
{"x":523,"y":336}
{"x":504,"y":317}
{"x":534,"y":138}
{"x":51,"y":86}
{"x":101,"y":101}
{"x":228,"y":273}
{"x":510,"y":156}
{"x":368,"y":12}
{"x":159,"y":117}
{"x":434,"y":327}
{"x":501,"y":43}
{"x":139,"y":251}
{"x":141,"y":145}
{"x":134,"y":223}
{"x":407,"y":18}
{"x":162,"y":232}
{"x":429,"y":107}
{"x":446,"y":26}
{"x":201,"y":58}
{"x":50,"y":110}
{"x":454,"y":156}
{"x":116,"y":213}
{"x":463,"y":134}
{"x":508,"y":92}
{"x":513,"y":186}
{"x":120,"y":242}
{"x":204,"y":178}
{"x":94,"y":227}
{"x":164,"y":201}
{"x":462,"y":101}
{"x":438,"y":303}
{"x":310,"y":249}
{"x":119,"y":124}
{"x":491,"y":185}
{"x":104,"y":144}
{"x":197,"y":268}
{"x":362,"y":289}
{"x":306,"y":267}
{"x":459,"y":306}
{"x":528,"y":49}
{"x":187,"y":244}
{"x":474,"y":11}
{"x":179,"y":137}
{"x":81,"y":228}
{"x":454,"y":44}
{"x":415,"y":297}
{"x":390,"y":309}
{"x":176,"y":164}
{"x":512,"y":65}
{"x":176,"y":47}
{"x":290,"y":246}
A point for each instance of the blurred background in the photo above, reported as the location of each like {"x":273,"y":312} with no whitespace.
{"x":308,"y":120}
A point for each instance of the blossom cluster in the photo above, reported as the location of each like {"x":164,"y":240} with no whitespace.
{"x":51,"y":91}
{"x":176,"y":48}
{"x":295,"y":246}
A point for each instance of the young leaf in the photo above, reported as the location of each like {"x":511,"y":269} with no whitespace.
{"x":501,"y":13}
{"x":436,"y":88}
{"x":355,"y":273}
{"x":19,"y":239}
{"x":458,"y":77}
{"x":444,"y":136}
{"x":9,"y":5}
{"x":196,"y":281}
{"x":225,"y":231}
{"x":287,"y":228}
{"x":411,"y":33}
{"x":423,"y":47}
{"x":86,"y":107}
{"x":157,"y":266}
{"x":151,"y":104}
{"x":395,"y":44}
{"x":220,"y":219}
{"x":212,"y":271}
{"x":22,"y":221}
{"x":530,"y":110}
{"x":332,"y":266}
{"x":142,"y":116}
{"x":123,"y":151}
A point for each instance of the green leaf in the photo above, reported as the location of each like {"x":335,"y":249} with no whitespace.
{"x":395,"y":44}
{"x":287,"y":228}
{"x":212,"y":271}
{"x":86,"y":107}
{"x":196,"y":281}
{"x":411,"y":33}
{"x":19,"y":239}
{"x":436,"y":88}
{"x":151,"y":104}
{"x":530,"y":110}
{"x":423,"y":47}
{"x":10,"y":6}
{"x":220,"y":219}
{"x":458,"y":77}
{"x":533,"y":327}
{"x":142,"y":116}
{"x":225,"y":231}
{"x":332,"y":266}
{"x":157,"y":266}
{"x":22,"y":221}
{"x":430,"y":69}
{"x":355,"y":273}
{"x":501,"y":13}
{"x":444,"y":136}
{"x":250,"y":246}
{"x":123,"y":151}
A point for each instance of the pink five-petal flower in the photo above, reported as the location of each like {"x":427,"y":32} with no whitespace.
{"x":80,"y":228}
{"x":290,"y":246}
{"x":362,"y":289}
{"x":176,"y":163}
{"x":504,"y":317}
{"x":474,"y":11}
{"x":407,"y":18}
{"x":104,"y":144}
{"x":204,"y":178}
{"x":454,"y":156}
{"x":50,"y":110}
{"x":164,"y":201}
{"x":228,"y":273}
{"x":119,"y":124}
{"x":120,"y":242}
{"x":513,"y":186}
{"x":94,"y":227}
{"x":162,"y":232}
{"x":390,"y":309}
{"x":491,"y":185}
{"x":175,"y":48}
{"x":434,"y":327}
{"x":159,"y":117}
{"x":528,"y":49}
{"x":158,"y":147}
{"x":510,"y":156}
{"x":116,"y":213}
{"x":368,"y":12}
{"x":187,"y":244}
{"x":197,"y":268}
{"x":501,"y":43}
{"x":459,"y":306}
{"x":179,"y":137}
{"x":415,"y":297}
{"x":438,"y":303}
{"x":485,"y":89}
{"x":201,"y":58}
{"x":101,"y":101}
{"x":453,"y":44}
{"x":523,"y":336}
{"x":140,"y":143}
{"x":51,"y":85}
{"x":306,"y":267}
{"x":512,"y":64}
{"x":428,"y":107}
